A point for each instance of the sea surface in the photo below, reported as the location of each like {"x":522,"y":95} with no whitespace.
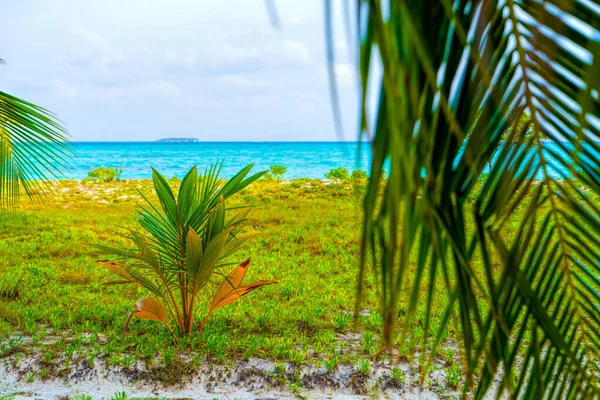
{"x":303,"y":160}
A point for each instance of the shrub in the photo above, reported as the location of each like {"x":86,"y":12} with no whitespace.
{"x":103,"y":174}
{"x":181,"y":249}
{"x":358,"y":176}
{"x":278,"y":171}
{"x":337,"y":174}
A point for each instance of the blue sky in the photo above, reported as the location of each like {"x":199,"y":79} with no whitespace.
{"x":140,"y":70}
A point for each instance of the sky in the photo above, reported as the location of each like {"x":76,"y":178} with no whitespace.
{"x":141,"y":70}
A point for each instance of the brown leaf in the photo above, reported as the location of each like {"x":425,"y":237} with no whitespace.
{"x":117,"y":269}
{"x":231,"y":290}
{"x":238,"y":292}
{"x":149,"y":309}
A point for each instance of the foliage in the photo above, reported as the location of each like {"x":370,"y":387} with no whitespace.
{"x":33,"y":149}
{"x":483,"y":176}
{"x":338,"y":174}
{"x":268,"y":177}
{"x":523,"y":124}
{"x":120,"y":396}
{"x":103,"y":174}
{"x":43,"y":274}
{"x":278,"y":171}
{"x":359,"y":176}
{"x":484,"y":66}
{"x":183,"y":246}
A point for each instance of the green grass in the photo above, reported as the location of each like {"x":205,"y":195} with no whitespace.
{"x":51,"y":286}
{"x":50,"y":282}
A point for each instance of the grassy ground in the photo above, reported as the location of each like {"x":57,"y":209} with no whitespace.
{"x":51,"y":286}
{"x":50,"y":283}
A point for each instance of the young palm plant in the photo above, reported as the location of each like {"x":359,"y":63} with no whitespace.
{"x":182,"y":248}
{"x":453,"y":77}
{"x":338,"y":174}
{"x":34,"y":148}
{"x":278,"y":171}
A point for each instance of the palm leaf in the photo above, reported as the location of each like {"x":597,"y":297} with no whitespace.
{"x":184,"y":239}
{"x":33,"y":149}
{"x":511,"y":86}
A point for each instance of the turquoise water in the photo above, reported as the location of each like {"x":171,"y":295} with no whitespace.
{"x":303,"y":160}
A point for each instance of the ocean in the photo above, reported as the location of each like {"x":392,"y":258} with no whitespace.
{"x":302,"y":159}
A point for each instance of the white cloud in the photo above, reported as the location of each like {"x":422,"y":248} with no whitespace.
{"x":62,"y":89}
{"x":342,"y":49}
{"x":264,"y":100}
{"x":50,"y":86}
{"x":168,"y":89}
{"x":293,"y":20}
{"x":152,"y":66}
{"x":223,"y":53}
{"x":288,"y":51}
{"x":226,"y":54}
{"x":311,"y":104}
{"x":91,"y":50}
{"x":147,"y":89}
{"x":237,"y":81}
{"x":345,"y":74}
{"x":186,"y":59}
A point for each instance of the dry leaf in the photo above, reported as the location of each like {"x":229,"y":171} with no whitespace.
{"x":117,"y":269}
{"x":149,"y":309}
{"x":231,"y":290}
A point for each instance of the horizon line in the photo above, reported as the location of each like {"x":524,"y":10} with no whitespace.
{"x":214,"y":141}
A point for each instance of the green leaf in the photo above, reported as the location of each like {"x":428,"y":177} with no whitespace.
{"x":193,"y":255}
{"x":210,"y":257}
{"x":165,"y":196}
{"x":186,"y":199}
{"x":236,"y":242}
{"x":508,"y":88}
{"x":34,"y":149}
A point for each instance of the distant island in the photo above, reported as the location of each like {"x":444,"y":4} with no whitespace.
{"x":179,"y":140}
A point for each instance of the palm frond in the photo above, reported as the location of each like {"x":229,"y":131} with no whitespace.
{"x":511,"y":86}
{"x":34,"y":148}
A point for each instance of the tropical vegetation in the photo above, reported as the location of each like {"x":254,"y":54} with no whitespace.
{"x":59,"y":315}
{"x":338,"y":174}
{"x":455,"y":76}
{"x":183,"y":247}
{"x":505,"y":262}
{"x":105,"y":174}
{"x":278,"y":171}
{"x":33,"y":149}
{"x":359,"y":176}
